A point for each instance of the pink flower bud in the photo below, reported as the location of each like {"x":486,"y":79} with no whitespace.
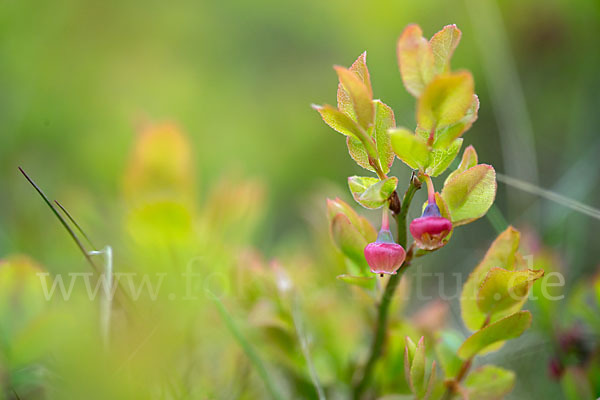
{"x":431,"y":228}
{"x":384,"y":256}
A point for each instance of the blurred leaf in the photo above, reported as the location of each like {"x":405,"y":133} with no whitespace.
{"x":359,"y":67}
{"x":507,"y":328}
{"x":409,"y":148}
{"x":470,"y":194}
{"x":362,"y":98}
{"x":161,"y":165}
{"x":371,"y":192}
{"x":366,"y":282}
{"x":349,"y":240}
{"x":409,"y":353}
{"x":469,"y":160}
{"x":440,"y":159}
{"x":446,"y":349}
{"x":415,"y":59}
{"x":249,"y":350}
{"x":502,"y":289}
{"x":445,"y":100}
{"x":417,"y":368}
{"x":365,"y":228}
{"x":160,"y":222}
{"x":384,"y":121}
{"x":502,"y":253}
{"x":443,"y":45}
{"x":339,"y":121}
{"x":489,"y":383}
{"x":576,"y":385}
{"x":445,"y":136}
{"x":22,"y":299}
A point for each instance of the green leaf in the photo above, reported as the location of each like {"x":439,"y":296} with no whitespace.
{"x":445,"y":349}
{"x":440,"y":159}
{"x":359,"y":67}
{"x":362,"y":99}
{"x":489,"y":383}
{"x":366,"y":282}
{"x":384,"y":121}
{"x":363,"y":225}
{"x":443,"y":45}
{"x":502,"y":289}
{"x":358,"y":153}
{"x":445,"y":100}
{"x":409,"y":353}
{"x":445,"y":136}
{"x":415,"y":58}
{"x":417,"y":368}
{"x":371,"y":192}
{"x":339,"y":121}
{"x":502,"y":252}
{"x":470,"y":194}
{"x":349,"y":240}
{"x":469,"y":160}
{"x":576,"y":385}
{"x":507,"y":328}
{"x":411,"y":149}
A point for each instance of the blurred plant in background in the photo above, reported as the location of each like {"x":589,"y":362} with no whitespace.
{"x":228,"y":292}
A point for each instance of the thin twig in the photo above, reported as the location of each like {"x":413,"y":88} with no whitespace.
{"x":380,"y":329}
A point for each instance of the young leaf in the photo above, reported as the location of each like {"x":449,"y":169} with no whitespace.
{"x":365,"y":228}
{"x":339,"y":121}
{"x":445,"y":136}
{"x":445,"y":100}
{"x":443,"y":45}
{"x":362,"y":99}
{"x":502,"y":289}
{"x":502,"y":253}
{"x":409,"y":353}
{"x":470,"y":194}
{"x":384,"y":121}
{"x":359,"y":67}
{"x":371,"y":192}
{"x":411,"y":149}
{"x":489,"y":383}
{"x":358,"y":153}
{"x":440,"y":159}
{"x":417,"y":368}
{"x":507,"y":328}
{"x":349,"y":240}
{"x":446,"y":349}
{"x":366,"y":282}
{"x":469,"y":160}
{"x":428,"y":389}
{"x":415,"y":58}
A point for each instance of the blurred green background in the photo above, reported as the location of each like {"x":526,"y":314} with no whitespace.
{"x":79,"y":78}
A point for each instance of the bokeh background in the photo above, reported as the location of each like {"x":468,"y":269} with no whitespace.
{"x":79,"y":81}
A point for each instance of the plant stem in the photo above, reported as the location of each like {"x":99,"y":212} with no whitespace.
{"x":464,"y":368}
{"x":388,"y":294}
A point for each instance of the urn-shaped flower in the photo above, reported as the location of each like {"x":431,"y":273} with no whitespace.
{"x":384,"y":256}
{"x":430,"y":230}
